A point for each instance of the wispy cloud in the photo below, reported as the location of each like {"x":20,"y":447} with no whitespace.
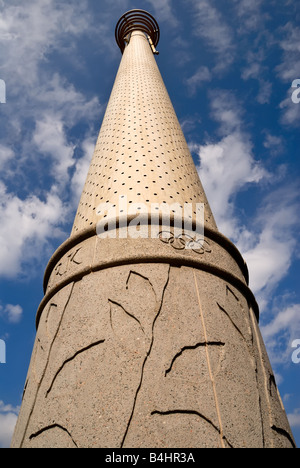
{"x":250,"y":14}
{"x":280,"y":332}
{"x":28,"y":35}
{"x":268,"y":238}
{"x":8,"y":419}
{"x":273,"y":143}
{"x":256,"y":70}
{"x":290,"y":115}
{"x":288,"y":71}
{"x":6,"y":155}
{"x":275,"y":228}
{"x":29,"y":226}
{"x":37,"y":131}
{"x":12,"y":313}
{"x":227,"y":111}
{"x":164,"y":11}
{"x":212,"y":27}
{"x":201,"y":76}
{"x":82,"y":167}
{"x":294,"y":418}
{"x":226,"y":168}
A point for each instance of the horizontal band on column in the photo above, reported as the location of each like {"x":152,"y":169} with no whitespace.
{"x":215,"y":236}
{"x":191,"y":262}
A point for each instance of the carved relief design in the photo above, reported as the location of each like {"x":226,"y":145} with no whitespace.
{"x":63,"y":437}
{"x":276,"y":429}
{"x":81,"y":351}
{"x":151,"y":359}
{"x":62,"y":267}
{"x":192,"y":380}
{"x":124,"y":318}
{"x":134,"y":323}
{"x":184,"y":242}
{"x":46,"y":334}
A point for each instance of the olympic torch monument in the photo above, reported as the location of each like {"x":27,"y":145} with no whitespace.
{"x":148,"y":332}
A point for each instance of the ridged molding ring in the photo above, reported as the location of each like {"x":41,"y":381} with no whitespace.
{"x":135,"y":20}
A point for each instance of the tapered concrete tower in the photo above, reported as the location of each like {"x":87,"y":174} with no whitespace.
{"x":147,"y":336}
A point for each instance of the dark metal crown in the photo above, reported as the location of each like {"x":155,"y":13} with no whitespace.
{"x":136,"y":20}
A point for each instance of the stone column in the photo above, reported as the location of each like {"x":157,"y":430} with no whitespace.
{"x":147,"y":340}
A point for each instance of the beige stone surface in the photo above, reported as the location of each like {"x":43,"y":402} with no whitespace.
{"x":150,"y":355}
{"x":143,"y":342}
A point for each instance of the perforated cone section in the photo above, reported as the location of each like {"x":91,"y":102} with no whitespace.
{"x":141,"y":153}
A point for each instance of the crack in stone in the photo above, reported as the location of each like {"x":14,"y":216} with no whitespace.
{"x":71,"y":359}
{"x":141,"y":276}
{"x":47,"y":363}
{"x":145,"y":360}
{"x":284,"y":434}
{"x":185,"y":348}
{"x":235,"y":326}
{"x":126,"y":312}
{"x":191,"y":412}
{"x":53,"y":426}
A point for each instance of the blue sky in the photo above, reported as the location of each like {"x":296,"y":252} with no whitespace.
{"x":229,"y":68}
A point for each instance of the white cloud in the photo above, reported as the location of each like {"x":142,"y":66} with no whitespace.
{"x":280,"y":332}
{"x":50,"y":138}
{"x":45,"y":100}
{"x":255,"y":70}
{"x":228,"y":166}
{"x":8,"y":419}
{"x":290,"y":111}
{"x":6,"y":154}
{"x":7,"y":426}
{"x":274,"y":229}
{"x":273,"y":143}
{"x":202,"y":75}
{"x":250,"y":14}
{"x":28,"y":34}
{"x":26,"y":227}
{"x":43,"y":110}
{"x":163,"y":11}
{"x":294,"y":418}
{"x":266,"y":241}
{"x":286,"y":320}
{"x":81,"y":168}
{"x":65,"y":107}
{"x":13,"y":313}
{"x":211,"y":25}
{"x":59,"y":97}
{"x":226,"y":110}
{"x":265,"y":92}
{"x":289,"y":69}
